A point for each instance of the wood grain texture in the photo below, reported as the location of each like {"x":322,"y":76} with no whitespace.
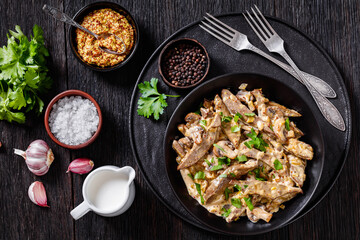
{"x":333,"y":24}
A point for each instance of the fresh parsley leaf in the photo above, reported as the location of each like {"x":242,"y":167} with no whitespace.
{"x":232,"y":174}
{"x":249,"y":114}
{"x":203,"y":123}
{"x":242,"y":158}
{"x":198,"y":189}
{"x":249,"y":203}
{"x":287,"y":124}
{"x":256,"y":141}
{"x":278,"y":165}
{"x":151,"y":102}
{"x":226,"y":212}
{"x":224,"y":160}
{"x":218,"y":147}
{"x":207,"y":162}
{"x":226,"y":192}
{"x":237,"y":116}
{"x":236,"y":202}
{"x":226,"y":119}
{"x":199,"y":175}
{"x":248,"y":145}
{"x":245,"y":186}
{"x":191,"y":176}
{"x":237,"y":187}
{"x":271,"y":127}
{"x":212,"y":160}
{"x":217,"y":167}
{"x":223,"y":176}
{"x":235,"y":128}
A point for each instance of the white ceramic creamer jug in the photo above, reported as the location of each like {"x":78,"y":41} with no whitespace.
{"x":108,"y":191}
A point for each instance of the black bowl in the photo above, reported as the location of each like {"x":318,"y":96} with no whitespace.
{"x":79,"y":16}
{"x":275,"y":91}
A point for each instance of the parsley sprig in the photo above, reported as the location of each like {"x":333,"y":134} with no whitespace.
{"x":151,"y":101}
{"x":256,"y":141}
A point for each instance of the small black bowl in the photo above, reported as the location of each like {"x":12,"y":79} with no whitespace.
{"x":173,"y":44}
{"x":79,"y":16}
{"x":275,"y":91}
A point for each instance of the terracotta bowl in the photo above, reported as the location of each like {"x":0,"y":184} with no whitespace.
{"x":67,"y":94}
{"x":173,"y":44}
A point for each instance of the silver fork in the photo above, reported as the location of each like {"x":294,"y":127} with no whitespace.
{"x":275,"y":43}
{"x":239,"y":42}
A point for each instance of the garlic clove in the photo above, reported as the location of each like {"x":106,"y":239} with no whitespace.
{"x":80,"y":166}
{"x":37,"y":194}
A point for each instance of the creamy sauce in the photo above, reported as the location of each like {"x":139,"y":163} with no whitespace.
{"x":107,"y":191}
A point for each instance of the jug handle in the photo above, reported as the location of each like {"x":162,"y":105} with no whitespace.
{"x":80,"y":210}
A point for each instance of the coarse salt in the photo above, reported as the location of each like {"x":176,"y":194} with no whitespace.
{"x":73,"y":120}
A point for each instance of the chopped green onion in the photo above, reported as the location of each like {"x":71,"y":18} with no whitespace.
{"x":278,"y":165}
{"x":203,"y":123}
{"x":249,"y":203}
{"x":223,"y":176}
{"x":237,"y":116}
{"x":199,"y":175}
{"x":241,"y":158}
{"x":235,"y":128}
{"x":217,"y":167}
{"x":218,"y":147}
{"x":287,"y":124}
{"x":250,"y":114}
{"x":226,"y":212}
{"x":198,"y":188}
{"x":226,"y":192}
{"x":237,"y":187}
{"x":191,"y":176}
{"x":236,"y":202}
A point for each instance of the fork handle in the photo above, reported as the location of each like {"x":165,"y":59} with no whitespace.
{"x":328,"y":110}
{"x":323,"y":88}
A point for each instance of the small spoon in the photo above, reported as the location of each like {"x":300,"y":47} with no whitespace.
{"x":57,"y":14}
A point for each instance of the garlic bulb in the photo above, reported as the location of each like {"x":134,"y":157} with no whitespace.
{"x":37,"y":194}
{"x":81,"y":166}
{"x":38,"y":157}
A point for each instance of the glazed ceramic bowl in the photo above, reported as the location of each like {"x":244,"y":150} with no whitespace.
{"x":69,"y":93}
{"x":79,"y":16}
{"x":173,"y":44}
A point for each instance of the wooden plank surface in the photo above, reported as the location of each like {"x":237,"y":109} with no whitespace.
{"x":333,"y":24}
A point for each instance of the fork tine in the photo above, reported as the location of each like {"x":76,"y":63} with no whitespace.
{"x":215,"y":35}
{"x":266,"y":22}
{"x":217,"y":31}
{"x":261,"y":23}
{"x":219,"y":27}
{"x":221,"y":23}
{"x":262,"y":38}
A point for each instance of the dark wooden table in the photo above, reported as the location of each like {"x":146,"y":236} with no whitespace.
{"x":334,"y":24}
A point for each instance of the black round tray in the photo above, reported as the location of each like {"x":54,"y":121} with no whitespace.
{"x":146,"y":135}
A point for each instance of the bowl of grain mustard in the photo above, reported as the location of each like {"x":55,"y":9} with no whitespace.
{"x":104,"y":17}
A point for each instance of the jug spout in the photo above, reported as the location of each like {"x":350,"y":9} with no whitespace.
{"x":129,"y":171}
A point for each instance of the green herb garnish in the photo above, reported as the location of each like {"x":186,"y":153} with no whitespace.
{"x":216,"y":167}
{"x":287,"y":124}
{"x":245,"y":186}
{"x":203,"y":123}
{"x":232,"y":174}
{"x":235,"y":128}
{"x":226,"y":212}
{"x":249,"y":203}
{"x":226,"y":192}
{"x":271,"y":127}
{"x":207,"y":162}
{"x":256,"y":141}
{"x":218,"y":147}
{"x":191,"y":176}
{"x":236,"y":202}
{"x":198,"y":189}
{"x":23,"y":75}
{"x":223,"y":176}
{"x":151,"y":102}
{"x":249,"y":114}
{"x":278,"y":165}
{"x":199,"y":175}
{"x":212,"y":160}
{"x":224,"y":160}
{"x":241,"y":158}
{"x":237,"y":187}
{"x":237,"y":116}
{"x":226,"y":119}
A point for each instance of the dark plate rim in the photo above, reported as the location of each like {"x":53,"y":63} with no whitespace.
{"x":172,"y":36}
{"x":215,"y":79}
